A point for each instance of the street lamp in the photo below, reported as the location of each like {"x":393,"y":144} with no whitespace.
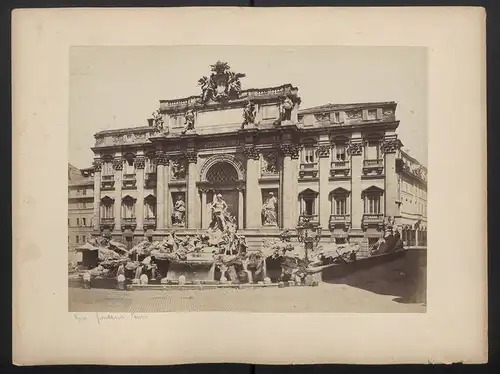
{"x":309,"y":234}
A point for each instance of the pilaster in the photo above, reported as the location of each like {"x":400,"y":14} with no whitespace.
{"x":204,"y":210}
{"x":193,"y":213}
{"x":139,"y":207}
{"x":241,"y":204}
{"x":355,"y":149}
{"x":389,"y":147}
{"x":167,"y":206}
{"x":252,"y":190}
{"x":161,"y":161}
{"x":289,"y":184}
{"x":97,"y":195}
{"x":324,"y":174}
{"x":118,"y":174}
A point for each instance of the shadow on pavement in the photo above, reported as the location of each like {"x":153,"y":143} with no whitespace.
{"x":404,"y":277}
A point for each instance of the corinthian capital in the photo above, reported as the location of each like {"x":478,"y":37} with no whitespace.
{"x":140,"y":162}
{"x":324,"y":151}
{"x":251,"y":152}
{"x":161,"y":158}
{"x":291,"y":150}
{"x":118,"y":163}
{"x":191,"y":156}
{"x":97,"y":165}
{"x":390,"y":145}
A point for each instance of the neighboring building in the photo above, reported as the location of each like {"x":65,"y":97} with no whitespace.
{"x":336,"y":165}
{"x":412,"y":200}
{"x":80,"y":205}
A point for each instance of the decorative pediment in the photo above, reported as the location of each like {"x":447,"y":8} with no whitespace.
{"x":373,"y":190}
{"x":106,"y":200}
{"x":129,"y":199}
{"x":339,"y":191}
{"x":150,"y":198}
{"x":309,"y":192}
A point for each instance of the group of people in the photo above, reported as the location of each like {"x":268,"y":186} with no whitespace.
{"x":391,"y":241}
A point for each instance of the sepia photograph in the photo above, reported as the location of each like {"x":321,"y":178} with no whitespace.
{"x":194,"y":172}
{"x":247,"y":178}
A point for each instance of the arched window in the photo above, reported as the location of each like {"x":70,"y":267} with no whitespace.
{"x":308,"y":154}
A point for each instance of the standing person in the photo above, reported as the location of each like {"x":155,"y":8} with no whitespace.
{"x":121,"y":269}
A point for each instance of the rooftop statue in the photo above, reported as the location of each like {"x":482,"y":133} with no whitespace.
{"x":189,"y":121}
{"x":249,"y":114}
{"x":158,"y":121}
{"x":222,"y":85}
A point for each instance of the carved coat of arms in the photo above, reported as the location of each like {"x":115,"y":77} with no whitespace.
{"x":223,"y":84}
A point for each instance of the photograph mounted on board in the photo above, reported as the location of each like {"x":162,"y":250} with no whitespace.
{"x":253,"y":179}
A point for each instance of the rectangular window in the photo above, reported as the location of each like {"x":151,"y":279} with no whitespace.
{"x":129,"y":166}
{"x":336,"y":117}
{"x":150,"y":210}
{"x":340,"y":153}
{"x":84,"y":221}
{"x":69,"y":222}
{"x":78,"y":221}
{"x":372,"y":204}
{"x":309,"y":207}
{"x":107,"y":211}
{"x":309,"y":155}
{"x":107,"y":168}
{"x":372,"y":114}
{"x":84,"y":192}
{"x":77,"y":239}
{"x":128,"y":210}
{"x":371,"y":151}
{"x":340,"y":206}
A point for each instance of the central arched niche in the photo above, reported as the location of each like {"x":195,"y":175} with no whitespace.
{"x":222,"y":173}
{"x":225,"y":167}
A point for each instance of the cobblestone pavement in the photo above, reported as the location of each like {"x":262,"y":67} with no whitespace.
{"x":393,"y":287}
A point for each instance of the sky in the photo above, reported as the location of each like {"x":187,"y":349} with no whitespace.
{"x":120,"y":87}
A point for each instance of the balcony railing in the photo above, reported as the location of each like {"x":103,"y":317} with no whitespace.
{"x":309,"y":169}
{"x":149,"y":223}
{"x":373,"y":219}
{"x":129,"y":180}
{"x":107,"y":181}
{"x":128,"y":223}
{"x":374,"y":165}
{"x":340,"y":220}
{"x":313,"y":218}
{"x":108,"y":223}
{"x":340,"y":168}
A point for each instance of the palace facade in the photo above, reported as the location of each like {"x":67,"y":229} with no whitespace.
{"x":275,"y":165}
